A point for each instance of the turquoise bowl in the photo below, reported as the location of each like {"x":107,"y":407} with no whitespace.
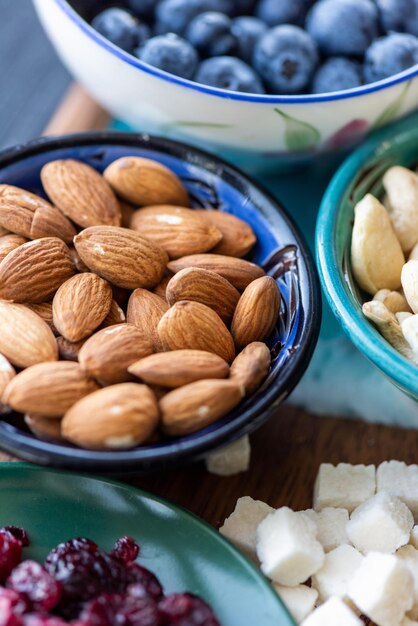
{"x":360,"y":174}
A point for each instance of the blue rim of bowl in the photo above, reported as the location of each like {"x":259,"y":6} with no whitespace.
{"x":142,"y":459}
{"x":361,"y":332}
{"x":222,"y":93}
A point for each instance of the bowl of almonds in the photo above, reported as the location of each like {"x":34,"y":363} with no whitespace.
{"x":154,"y":302}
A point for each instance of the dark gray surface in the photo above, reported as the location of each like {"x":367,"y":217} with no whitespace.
{"x":32,"y":77}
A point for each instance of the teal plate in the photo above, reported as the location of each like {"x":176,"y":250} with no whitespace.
{"x":184,"y":552}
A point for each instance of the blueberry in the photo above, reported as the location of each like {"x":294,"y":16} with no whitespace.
{"x":119,"y":27}
{"x":399,"y":15}
{"x":343,"y":27}
{"x":143,"y":32}
{"x":171,"y":54}
{"x":143,"y":9}
{"x":229,"y":73}
{"x":286,"y":57}
{"x":210,"y":33}
{"x":175,"y":15}
{"x":275,"y":12}
{"x":390,"y":55}
{"x":337,"y":74}
{"x":247,"y":31}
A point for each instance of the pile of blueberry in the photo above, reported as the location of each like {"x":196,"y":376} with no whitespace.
{"x":269,"y":46}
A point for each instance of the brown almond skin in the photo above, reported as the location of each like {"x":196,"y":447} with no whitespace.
{"x":251,"y":366}
{"x":238,"y":272}
{"x":68,"y":350}
{"x":179,"y":367}
{"x":107,"y":355}
{"x":145,"y":182}
{"x":114,"y":418}
{"x":25,"y":338}
{"x":81,"y":193}
{"x":34,"y":271}
{"x":195,"y":406}
{"x":178,"y":230}
{"x":115,"y":316}
{"x":257,"y":311}
{"x":44,"y":427}
{"x":44,"y":310}
{"x":145,"y":309}
{"x":161,"y":288}
{"x":10,"y":242}
{"x":121,"y":256}
{"x":77,"y":262}
{"x":7,"y":372}
{"x":48,"y":389}
{"x":238,"y":237}
{"x":191,"y":325}
{"x":80,"y":305}
{"x":206,"y":287}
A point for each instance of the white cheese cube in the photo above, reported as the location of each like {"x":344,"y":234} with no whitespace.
{"x":382,"y":524}
{"x":287,"y":547}
{"x":344,"y":486}
{"x":331,"y":525}
{"x":230,"y":460}
{"x":414,"y":537}
{"x":400,"y":480}
{"x":240,"y":527}
{"x":338,"y":569}
{"x":409,"y":556}
{"x":300,"y":601}
{"x":382,"y":588}
{"x":333,"y":613}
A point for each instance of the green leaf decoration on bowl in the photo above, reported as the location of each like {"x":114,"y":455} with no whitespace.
{"x":392,"y":110}
{"x":299,"y":136}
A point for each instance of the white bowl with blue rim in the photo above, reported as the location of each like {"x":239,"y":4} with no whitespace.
{"x":260,"y":130}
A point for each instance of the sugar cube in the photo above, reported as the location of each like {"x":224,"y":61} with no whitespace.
{"x":382,"y":588}
{"x":300,"y":601}
{"x":336,"y":573}
{"x":400,"y":480}
{"x":230,"y":460}
{"x":344,"y":486}
{"x":409,"y":556}
{"x":331,"y":524}
{"x":240,"y":527}
{"x":287,"y":547}
{"x":414,"y":537}
{"x":382,"y":524}
{"x":333,"y":613}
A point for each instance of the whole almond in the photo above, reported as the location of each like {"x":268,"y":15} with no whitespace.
{"x":238,"y":272}
{"x":107,"y":355}
{"x":34,"y":271}
{"x":115,"y":316}
{"x":48,"y":389}
{"x":81,"y":193}
{"x":44,"y":310}
{"x":25,"y":339}
{"x":121,"y":256}
{"x":145,"y":182}
{"x":10,"y":242}
{"x":238,"y":237}
{"x":50,"y":222}
{"x":115,"y":418}
{"x":251,"y":366}
{"x":4,"y":231}
{"x":79,"y":265}
{"x":191,"y":325}
{"x":145,"y":309}
{"x":257,"y":311}
{"x":206,"y":287}
{"x":80,"y":305}
{"x":161,"y":288}
{"x":7,"y":372}
{"x":179,"y":367}
{"x":68,"y":350}
{"x":178,"y":230}
{"x":44,"y":427}
{"x":195,"y":406}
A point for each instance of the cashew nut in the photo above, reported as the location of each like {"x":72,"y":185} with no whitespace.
{"x":394,"y":300}
{"x":414,"y":253}
{"x":410,"y":331}
{"x":401,"y":186}
{"x":376,"y":254}
{"x":402,"y":316}
{"x":389,"y":327}
{"x":409,"y":277}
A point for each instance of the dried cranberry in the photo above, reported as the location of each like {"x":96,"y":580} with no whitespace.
{"x":43,"y":620}
{"x":126,"y":550}
{"x":19,"y":533}
{"x":31,"y":579}
{"x":10,"y":553}
{"x":18,"y":601}
{"x":185,"y":609}
{"x":110,"y":609}
{"x":143,"y":581}
{"x":12,"y":607}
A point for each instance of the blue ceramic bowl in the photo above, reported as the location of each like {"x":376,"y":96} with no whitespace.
{"x":360,"y":174}
{"x":280,"y":250}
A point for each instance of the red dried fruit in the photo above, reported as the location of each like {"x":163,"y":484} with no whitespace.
{"x":126,"y":550}
{"x":143,"y":583}
{"x":19,"y":533}
{"x":43,"y":620}
{"x":32,"y":580}
{"x":185,"y":609}
{"x":12,"y":607}
{"x":120,"y":610}
{"x":10,"y":553}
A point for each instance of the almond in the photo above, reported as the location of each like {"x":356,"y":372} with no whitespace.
{"x":25,"y":339}
{"x":195,"y":406}
{"x":80,"y":305}
{"x":121,"y":256}
{"x":7,"y":372}
{"x":145,"y":182}
{"x":108,"y":353}
{"x":115,"y":316}
{"x":69,"y":350}
{"x":44,"y":310}
{"x":44,"y":427}
{"x":251,"y":366}
{"x":116,"y":418}
{"x":179,"y":367}
{"x":178,"y":230}
{"x":4,"y":231}
{"x":77,"y":262}
{"x":191,"y":325}
{"x":9,"y":243}
{"x":160,"y":289}
{"x":238,"y":272}
{"x":206,"y":287}
{"x":48,"y":389}
{"x":238,"y":237}
{"x":81,"y":193}
{"x":257,"y":312}
{"x":34,"y":271}
{"x":145,"y":309}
